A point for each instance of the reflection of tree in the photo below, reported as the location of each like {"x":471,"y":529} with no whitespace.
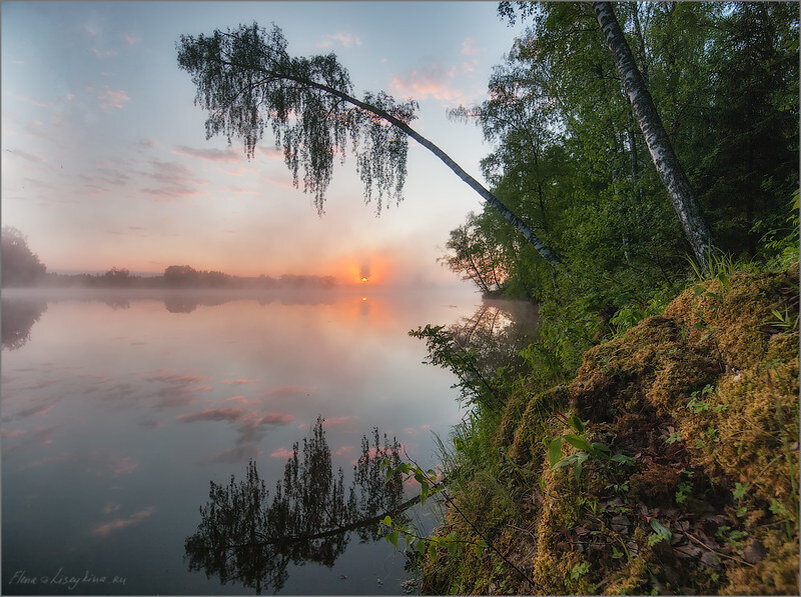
{"x":496,"y":332}
{"x":483,"y":349}
{"x":180,"y":304}
{"x":18,"y":317}
{"x":244,"y":537}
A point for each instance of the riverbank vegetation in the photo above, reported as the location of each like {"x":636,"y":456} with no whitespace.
{"x":647,"y":442}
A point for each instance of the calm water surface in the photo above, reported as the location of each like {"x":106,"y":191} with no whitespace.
{"x":118,"y":410}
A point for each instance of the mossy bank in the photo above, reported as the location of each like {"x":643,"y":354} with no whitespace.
{"x":691,"y":485}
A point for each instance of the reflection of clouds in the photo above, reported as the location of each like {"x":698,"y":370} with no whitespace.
{"x":38,"y":409}
{"x":177,"y":390}
{"x":44,"y":461}
{"x":282,"y":453}
{"x":108,"y":466}
{"x":344,"y":451}
{"x":213,"y":414}
{"x":39,"y":435}
{"x":336,"y":422}
{"x":289,"y":391}
{"x":239,"y":381}
{"x":250,"y":423}
{"x":111,"y":507}
{"x":120,"y":523}
{"x":235,"y":455}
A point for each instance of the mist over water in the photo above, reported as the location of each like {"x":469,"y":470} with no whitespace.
{"x":119,"y":408}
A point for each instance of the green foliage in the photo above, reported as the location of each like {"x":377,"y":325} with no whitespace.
{"x":247,"y":81}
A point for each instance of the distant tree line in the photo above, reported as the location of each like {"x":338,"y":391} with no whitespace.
{"x":22,"y":267}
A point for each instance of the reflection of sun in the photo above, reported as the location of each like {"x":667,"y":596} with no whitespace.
{"x":364,"y":298}
{"x":364,"y":279}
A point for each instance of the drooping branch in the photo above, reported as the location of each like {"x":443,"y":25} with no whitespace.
{"x":222,"y":63}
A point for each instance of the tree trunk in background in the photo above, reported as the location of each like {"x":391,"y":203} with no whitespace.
{"x":665,"y":160}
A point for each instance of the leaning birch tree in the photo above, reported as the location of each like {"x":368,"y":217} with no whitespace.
{"x":665,"y":160}
{"x":246,"y":80}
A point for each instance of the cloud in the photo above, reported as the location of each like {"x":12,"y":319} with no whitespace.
{"x":346,"y":39}
{"x":469,"y":47}
{"x":239,"y":381}
{"x":121,"y":523}
{"x":91,"y":30}
{"x":431,"y":80}
{"x":131,"y":39}
{"x":31,"y":157}
{"x":271,"y":153}
{"x":213,"y":414}
{"x":33,"y":101}
{"x":102,"y":53}
{"x":173,"y":181}
{"x":210,"y":155}
{"x":112,"y":98}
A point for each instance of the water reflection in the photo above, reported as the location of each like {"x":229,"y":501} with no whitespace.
{"x":245,"y":538}
{"x":114,"y":420}
{"x":18,"y":317}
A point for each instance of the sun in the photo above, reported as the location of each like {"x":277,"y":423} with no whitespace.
{"x":364,"y":279}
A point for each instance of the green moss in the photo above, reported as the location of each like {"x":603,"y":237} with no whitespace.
{"x":704,"y":401}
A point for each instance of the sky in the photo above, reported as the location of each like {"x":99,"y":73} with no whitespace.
{"x":105,"y":161}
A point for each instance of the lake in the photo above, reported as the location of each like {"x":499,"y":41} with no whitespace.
{"x":118,"y":410}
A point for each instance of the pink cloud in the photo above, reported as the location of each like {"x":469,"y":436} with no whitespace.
{"x":276,"y":419}
{"x":131,"y":39}
{"x":91,"y":30}
{"x":429,"y":81}
{"x":239,"y":381}
{"x":121,"y":523}
{"x":272,"y":153}
{"x":112,"y":98}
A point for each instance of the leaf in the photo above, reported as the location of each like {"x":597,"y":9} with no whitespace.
{"x":565,"y":461}
{"x":578,"y":442}
{"x":740,"y":490}
{"x":555,"y":451}
{"x":393,"y":538}
{"x":576,"y":423}
{"x":387,"y":521}
{"x":659,"y":529}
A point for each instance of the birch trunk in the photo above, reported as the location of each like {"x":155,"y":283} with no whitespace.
{"x":667,"y":164}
